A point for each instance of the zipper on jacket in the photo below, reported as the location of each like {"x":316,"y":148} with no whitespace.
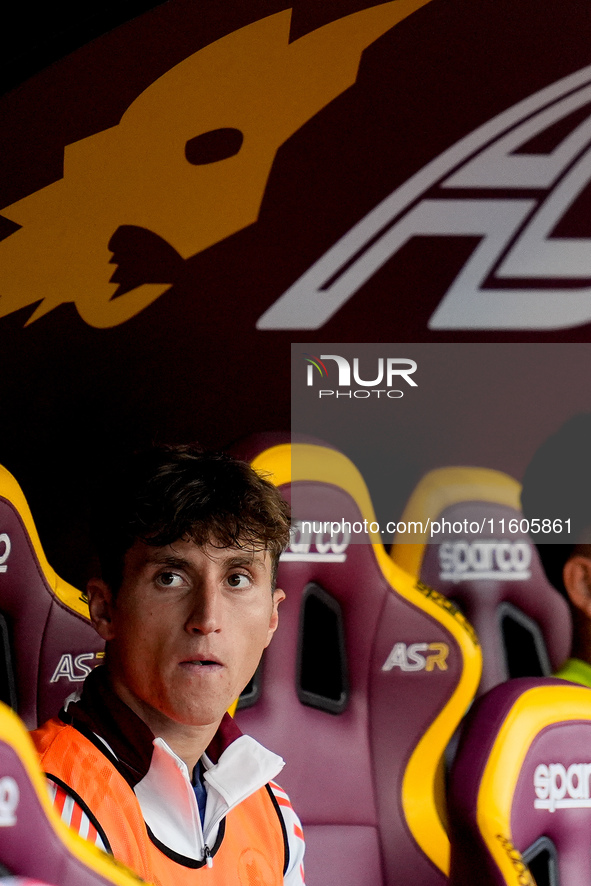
{"x":207,"y":855}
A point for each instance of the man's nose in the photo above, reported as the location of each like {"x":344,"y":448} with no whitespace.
{"x":205,"y":616}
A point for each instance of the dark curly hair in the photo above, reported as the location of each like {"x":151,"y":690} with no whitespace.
{"x":166,"y":493}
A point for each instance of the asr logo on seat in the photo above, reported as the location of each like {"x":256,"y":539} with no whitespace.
{"x":76,"y":668}
{"x":417,"y":657}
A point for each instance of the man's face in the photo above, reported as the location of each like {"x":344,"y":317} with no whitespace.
{"x":187,"y":629}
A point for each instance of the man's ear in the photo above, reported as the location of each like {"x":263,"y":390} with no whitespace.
{"x":278,"y":596}
{"x":576,"y":576}
{"x":100,"y":604}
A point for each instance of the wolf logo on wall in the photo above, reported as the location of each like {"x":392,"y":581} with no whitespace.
{"x":186,"y":167}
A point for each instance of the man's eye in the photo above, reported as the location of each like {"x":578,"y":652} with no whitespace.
{"x":169,"y":580}
{"x":238,"y":580}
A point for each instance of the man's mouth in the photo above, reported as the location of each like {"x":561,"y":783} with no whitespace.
{"x":202,"y":662}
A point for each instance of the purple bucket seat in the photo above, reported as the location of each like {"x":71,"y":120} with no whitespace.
{"x":520,"y":787}
{"x":366,"y":680}
{"x":47,"y":644}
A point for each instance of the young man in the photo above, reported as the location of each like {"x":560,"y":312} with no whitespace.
{"x":147,"y":761}
{"x":557,"y":486}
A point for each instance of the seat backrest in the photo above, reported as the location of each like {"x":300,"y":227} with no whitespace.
{"x":34,"y":842}
{"x":365,"y":681}
{"x":492,"y":572}
{"x":47,"y":643}
{"x":520,"y":788}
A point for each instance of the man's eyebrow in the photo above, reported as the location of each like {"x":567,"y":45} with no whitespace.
{"x":231,"y":561}
{"x":244,"y":560}
{"x":166,"y":560}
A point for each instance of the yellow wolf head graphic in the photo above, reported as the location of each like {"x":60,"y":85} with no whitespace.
{"x":187,"y":165}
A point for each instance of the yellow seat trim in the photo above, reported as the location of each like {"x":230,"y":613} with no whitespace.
{"x":536,"y":709}
{"x":66,"y":593}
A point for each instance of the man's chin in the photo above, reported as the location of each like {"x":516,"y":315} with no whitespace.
{"x":203,"y":718}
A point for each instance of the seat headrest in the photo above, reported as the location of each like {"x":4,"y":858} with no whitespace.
{"x":475,"y":549}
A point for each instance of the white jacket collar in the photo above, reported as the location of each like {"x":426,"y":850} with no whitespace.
{"x":168,"y":802}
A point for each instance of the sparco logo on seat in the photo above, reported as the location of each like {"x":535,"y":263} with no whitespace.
{"x":557,"y":787}
{"x":464,"y":561}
